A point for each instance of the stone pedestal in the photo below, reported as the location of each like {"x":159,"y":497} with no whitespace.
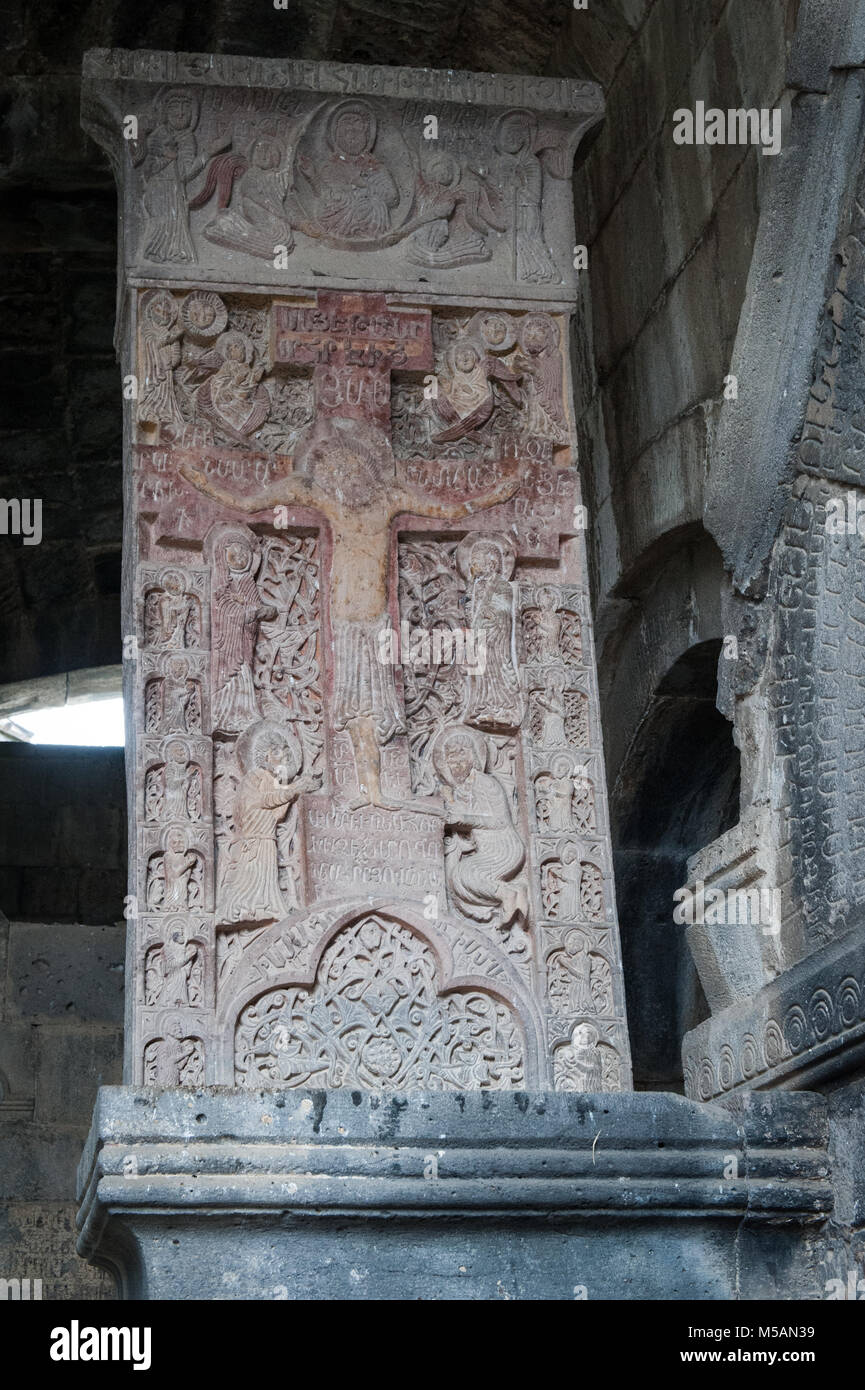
{"x":293,"y":1194}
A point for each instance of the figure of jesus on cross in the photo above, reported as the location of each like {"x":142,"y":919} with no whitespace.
{"x":345,"y":471}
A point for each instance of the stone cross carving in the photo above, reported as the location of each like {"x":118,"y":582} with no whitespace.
{"x":371,"y":845}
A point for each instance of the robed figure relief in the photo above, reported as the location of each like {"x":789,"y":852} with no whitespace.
{"x":270,"y":760}
{"x":355,"y":194}
{"x":493,"y":696}
{"x":170,"y":160}
{"x":236,"y":611}
{"x":483,"y":851}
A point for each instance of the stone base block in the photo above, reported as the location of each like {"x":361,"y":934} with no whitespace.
{"x":806,"y":1028}
{"x":218,"y":1194}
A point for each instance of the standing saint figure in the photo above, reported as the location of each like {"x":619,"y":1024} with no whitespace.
{"x":170,"y":977}
{"x":484,"y":853}
{"x":493,"y":696}
{"x":169,"y":162}
{"x":571,"y":977}
{"x":247,"y":882}
{"x":237,"y":609}
{"x":559,"y":794}
{"x":346,"y":472}
{"x":521,"y":172}
{"x":550,"y":704}
{"x":562,"y":886}
{"x":170,"y":614}
{"x":173,"y":880}
{"x":161,"y":353}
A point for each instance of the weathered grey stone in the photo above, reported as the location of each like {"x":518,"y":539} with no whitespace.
{"x":72,"y":1065}
{"x":37,"y":1242}
{"x":62,"y":971}
{"x":804,"y":199}
{"x":17,"y":1070}
{"x":352,"y":1196}
{"x":805,"y":1028}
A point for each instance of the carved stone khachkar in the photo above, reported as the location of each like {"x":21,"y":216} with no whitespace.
{"x":370,"y":844}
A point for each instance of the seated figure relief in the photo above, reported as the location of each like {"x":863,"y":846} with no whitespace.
{"x":483,"y":851}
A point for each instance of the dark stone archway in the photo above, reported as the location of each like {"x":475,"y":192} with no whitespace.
{"x":677,"y":790}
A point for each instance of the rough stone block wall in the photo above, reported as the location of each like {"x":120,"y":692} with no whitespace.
{"x":670,"y":231}
{"x":62,"y":942}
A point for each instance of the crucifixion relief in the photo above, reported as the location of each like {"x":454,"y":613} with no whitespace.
{"x":371,"y":846}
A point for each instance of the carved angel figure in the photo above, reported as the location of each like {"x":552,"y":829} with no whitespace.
{"x":457,"y":211}
{"x":256,"y":221}
{"x":522,"y":173}
{"x":169,"y":161}
{"x":466,"y":399}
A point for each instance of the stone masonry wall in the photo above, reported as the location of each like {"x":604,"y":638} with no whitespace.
{"x":62,"y":841}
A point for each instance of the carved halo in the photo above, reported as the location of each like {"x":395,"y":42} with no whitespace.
{"x":496,"y":330}
{"x":498,"y":541}
{"x":547,"y":326}
{"x":227,"y":340}
{"x":167,"y":95}
{"x":560,"y":765}
{"x":169,"y":577}
{"x":225,"y":533}
{"x":267,"y":732}
{"x":344,"y":108}
{"x":457,"y":733}
{"x":207,"y":300}
{"x":149,"y":302}
{"x":531,"y":126}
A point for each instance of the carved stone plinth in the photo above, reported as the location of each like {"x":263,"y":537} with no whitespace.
{"x":286,"y":1194}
